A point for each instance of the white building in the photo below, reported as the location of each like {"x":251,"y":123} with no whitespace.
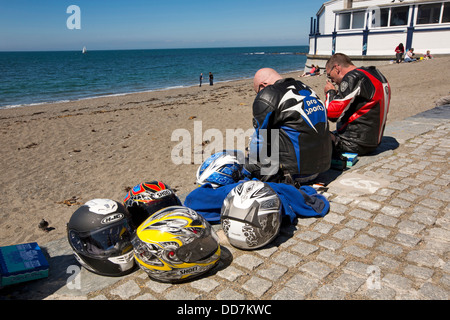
{"x":369,"y":30}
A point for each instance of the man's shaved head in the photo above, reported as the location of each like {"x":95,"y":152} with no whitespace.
{"x":265,"y":77}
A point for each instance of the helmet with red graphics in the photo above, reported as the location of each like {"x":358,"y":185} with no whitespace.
{"x":146,"y":198}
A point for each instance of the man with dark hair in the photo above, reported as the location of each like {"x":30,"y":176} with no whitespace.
{"x":291,"y":131}
{"x":359,"y":106}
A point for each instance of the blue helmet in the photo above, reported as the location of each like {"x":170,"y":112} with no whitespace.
{"x":221,"y":169}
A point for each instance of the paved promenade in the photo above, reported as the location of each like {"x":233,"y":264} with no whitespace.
{"x":387,"y":236}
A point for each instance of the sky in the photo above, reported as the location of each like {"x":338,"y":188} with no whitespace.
{"x":45,"y":25}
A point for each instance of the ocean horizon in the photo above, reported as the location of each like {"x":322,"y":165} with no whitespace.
{"x":37,"y":77}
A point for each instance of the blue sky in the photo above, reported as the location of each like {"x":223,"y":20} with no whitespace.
{"x":148,"y":24}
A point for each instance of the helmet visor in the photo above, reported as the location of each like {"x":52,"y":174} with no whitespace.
{"x":106,"y":242}
{"x":200,"y":248}
{"x":245,"y":215}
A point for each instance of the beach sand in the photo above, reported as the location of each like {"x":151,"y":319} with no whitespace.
{"x":57,"y":156}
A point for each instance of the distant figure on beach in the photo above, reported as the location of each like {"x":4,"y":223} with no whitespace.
{"x":399,"y":51}
{"x":311,"y":72}
{"x":360,"y":105}
{"x":211,"y":78}
{"x":428,"y":55}
{"x":317,"y":71}
{"x":291,"y":110}
{"x":201,"y":79}
{"x":409,"y":56}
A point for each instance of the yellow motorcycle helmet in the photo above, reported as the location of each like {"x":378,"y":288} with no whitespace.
{"x":176,"y":244}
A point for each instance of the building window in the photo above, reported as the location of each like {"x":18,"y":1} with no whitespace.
{"x":399,"y":16}
{"x":380,"y":17}
{"x":344,"y":21}
{"x":429,"y":13}
{"x":352,"y":20}
{"x":384,"y":17}
{"x":446,"y":14}
{"x":358,"y":19}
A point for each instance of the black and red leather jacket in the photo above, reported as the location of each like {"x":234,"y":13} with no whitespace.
{"x":360,"y":108}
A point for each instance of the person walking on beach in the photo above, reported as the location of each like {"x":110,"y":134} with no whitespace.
{"x":211,"y":78}
{"x":201,"y":79}
{"x":290,"y":109}
{"x":359,"y":106}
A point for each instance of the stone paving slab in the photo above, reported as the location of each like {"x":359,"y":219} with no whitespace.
{"x":387,"y":236}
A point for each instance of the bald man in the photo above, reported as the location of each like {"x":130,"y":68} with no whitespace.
{"x":291,"y":142}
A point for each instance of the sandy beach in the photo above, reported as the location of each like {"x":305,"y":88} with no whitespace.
{"x":57,"y":156}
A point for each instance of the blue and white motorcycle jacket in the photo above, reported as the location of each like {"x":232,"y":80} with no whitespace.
{"x":299,"y":118}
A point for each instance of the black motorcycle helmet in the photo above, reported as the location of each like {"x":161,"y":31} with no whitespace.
{"x":146,"y":198}
{"x":100,"y":233}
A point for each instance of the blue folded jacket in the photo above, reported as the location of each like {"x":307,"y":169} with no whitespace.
{"x":303,"y":202}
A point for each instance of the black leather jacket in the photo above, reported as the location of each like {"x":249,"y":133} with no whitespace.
{"x":360,"y":108}
{"x":295,"y":110}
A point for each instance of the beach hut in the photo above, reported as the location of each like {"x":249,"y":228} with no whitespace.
{"x":369,"y":30}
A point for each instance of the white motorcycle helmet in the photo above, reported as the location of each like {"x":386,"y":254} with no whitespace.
{"x":251,"y":215}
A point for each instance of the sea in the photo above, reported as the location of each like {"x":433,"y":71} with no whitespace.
{"x":28,"y":78}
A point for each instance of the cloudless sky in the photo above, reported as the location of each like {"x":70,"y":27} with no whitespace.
{"x":150,"y":24}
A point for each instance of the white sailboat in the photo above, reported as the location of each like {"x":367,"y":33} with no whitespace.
{"x":84,"y":50}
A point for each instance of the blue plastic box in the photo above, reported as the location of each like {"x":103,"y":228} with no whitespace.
{"x":352,"y":158}
{"x":22,"y":262}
